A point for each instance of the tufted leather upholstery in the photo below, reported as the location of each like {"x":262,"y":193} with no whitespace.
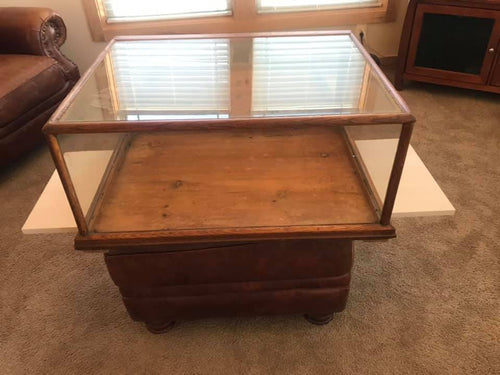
{"x":34,"y":76}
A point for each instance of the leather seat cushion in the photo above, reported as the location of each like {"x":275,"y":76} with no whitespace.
{"x":26,"y":81}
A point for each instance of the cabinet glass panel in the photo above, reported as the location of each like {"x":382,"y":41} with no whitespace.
{"x":454,"y":43}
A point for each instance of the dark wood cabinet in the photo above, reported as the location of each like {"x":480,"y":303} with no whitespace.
{"x":453,"y":43}
{"x":495,"y":76}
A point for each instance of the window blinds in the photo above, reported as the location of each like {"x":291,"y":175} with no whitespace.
{"x":133,"y":10}
{"x":268,"y":6}
{"x":172,"y":77}
{"x":328,"y":78}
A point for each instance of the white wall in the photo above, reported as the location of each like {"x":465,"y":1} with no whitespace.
{"x":382,"y":39}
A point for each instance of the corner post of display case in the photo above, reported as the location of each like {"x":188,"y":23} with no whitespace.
{"x":67,"y":184}
{"x":397,"y":171}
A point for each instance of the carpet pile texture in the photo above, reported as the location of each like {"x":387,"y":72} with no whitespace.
{"x":427,"y":302}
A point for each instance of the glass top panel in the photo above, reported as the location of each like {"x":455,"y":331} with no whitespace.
{"x":240,"y":77}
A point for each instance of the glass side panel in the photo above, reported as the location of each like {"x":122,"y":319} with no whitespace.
{"x":375,"y":148}
{"x":331,"y":78}
{"x":154,"y":80}
{"x":233,"y":178}
{"x":89,"y":158}
{"x":454,"y":43}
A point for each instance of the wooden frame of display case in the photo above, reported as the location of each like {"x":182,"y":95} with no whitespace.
{"x":87,"y":239}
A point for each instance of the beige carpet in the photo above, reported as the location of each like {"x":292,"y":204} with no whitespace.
{"x":424,"y":303}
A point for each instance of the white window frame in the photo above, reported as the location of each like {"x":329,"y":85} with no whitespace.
{"x":199,"y":13}
{"x":339,"y":4}
{"x":243,"y":18}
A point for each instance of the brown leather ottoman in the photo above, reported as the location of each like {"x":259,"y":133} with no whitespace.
{"x":160,"y":285}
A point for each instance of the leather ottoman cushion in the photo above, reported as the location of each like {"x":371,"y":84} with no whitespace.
{"x":261,"y":261}
{"x":26,"y":82}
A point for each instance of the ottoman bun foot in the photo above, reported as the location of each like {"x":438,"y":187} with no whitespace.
{"x":319,"y":320}
{"x":160,"y":327}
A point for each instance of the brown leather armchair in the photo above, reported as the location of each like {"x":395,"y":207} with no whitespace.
{"x":34,"y":76}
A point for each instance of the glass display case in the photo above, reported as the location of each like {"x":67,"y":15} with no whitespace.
{"x":252,"y":133}
{"x":240,"y":139}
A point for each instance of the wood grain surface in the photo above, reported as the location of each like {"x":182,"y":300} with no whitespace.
{"x":234,"y":179}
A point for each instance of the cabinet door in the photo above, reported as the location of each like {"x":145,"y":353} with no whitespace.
{"x":453,"y":43}
{"x":495,"y":74}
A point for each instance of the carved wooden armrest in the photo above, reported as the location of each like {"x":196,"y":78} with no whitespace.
{"x":35,"y":31}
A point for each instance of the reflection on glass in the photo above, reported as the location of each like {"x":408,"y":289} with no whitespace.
{"x":94,"y":101}
{"x":220,"y":78}
{"x":326,"y":79}
{"x":177,"y":77}
{"x":172,"y":117}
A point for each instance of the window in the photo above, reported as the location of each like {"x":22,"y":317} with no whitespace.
{"x":133,"y":10}
{"x":300,"y":5}
{"x":108,"y":18}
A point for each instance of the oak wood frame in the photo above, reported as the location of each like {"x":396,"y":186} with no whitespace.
{"x":93,"y":241}
{"x":86,"y":240}
{"x":67,"y":183}
{"x":411,"y":34}
{"x":397,"y":171}
{"x":244,"y":18}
